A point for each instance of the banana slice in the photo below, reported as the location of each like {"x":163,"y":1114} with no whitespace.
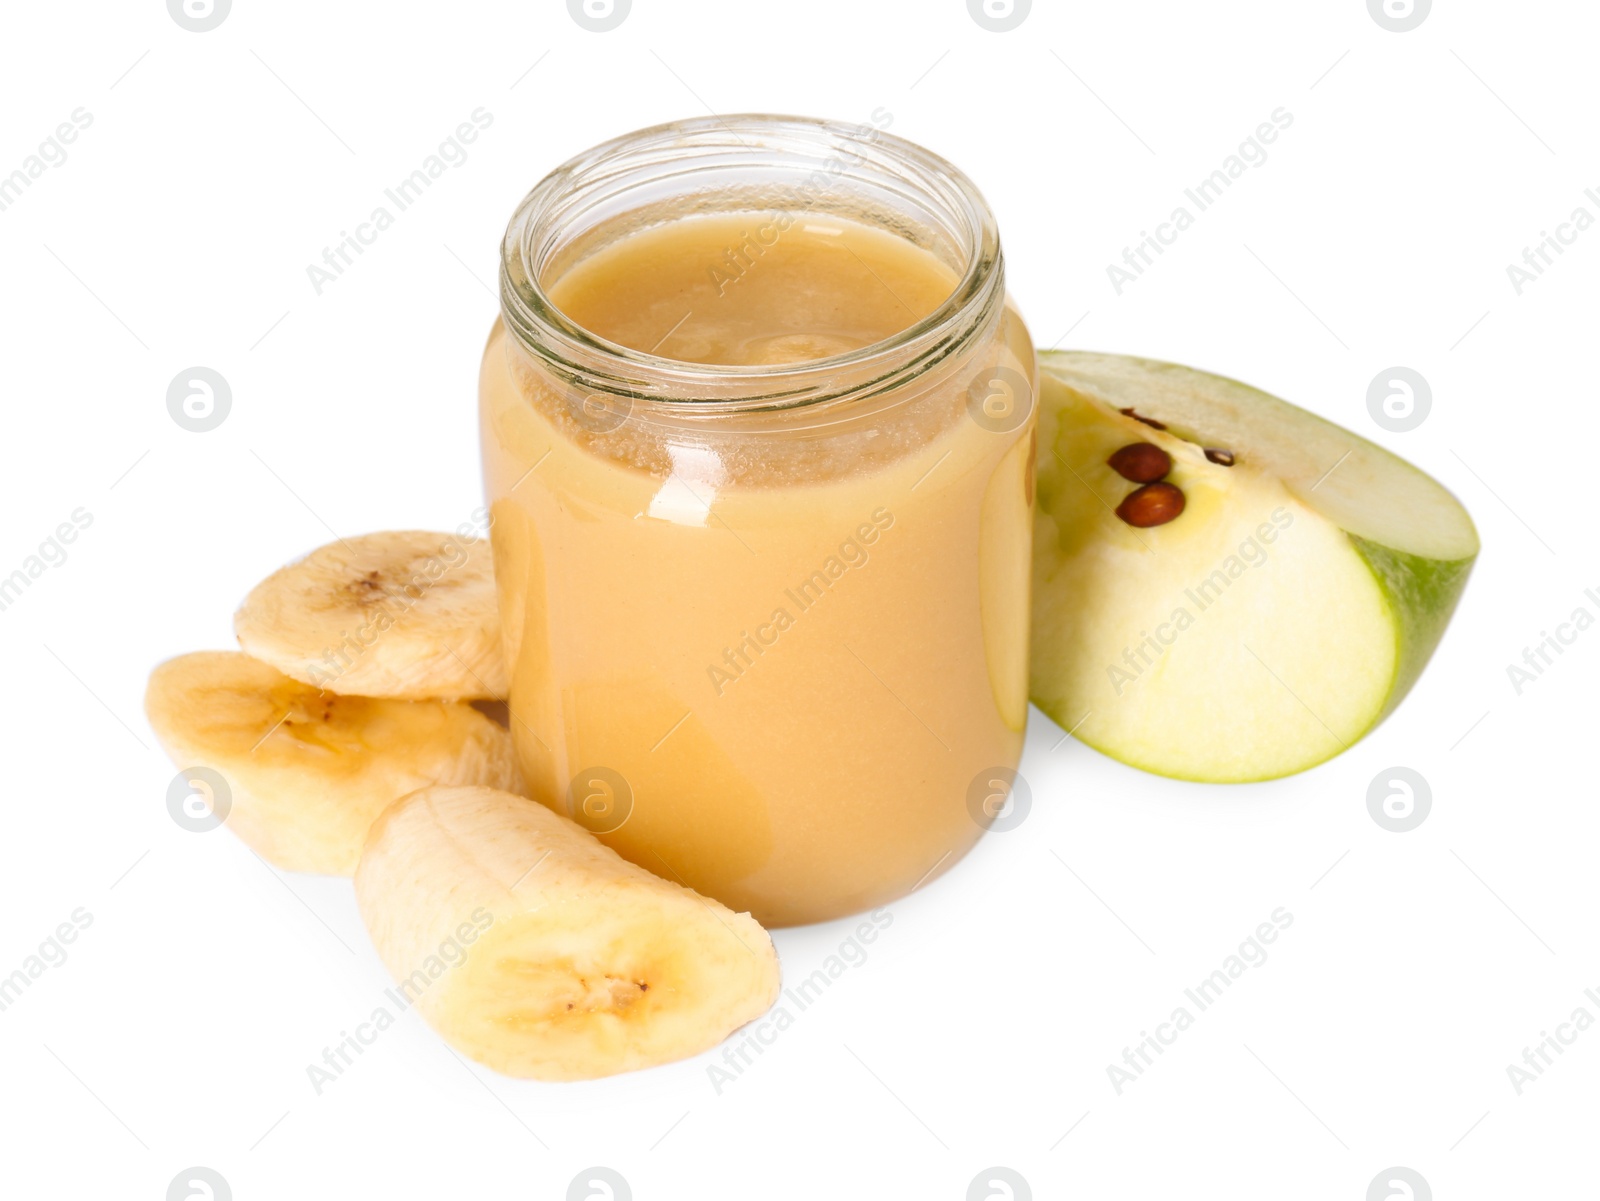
{"x":403,"y":614}
{"x":537,"y":951}
{"x":307,"y":772}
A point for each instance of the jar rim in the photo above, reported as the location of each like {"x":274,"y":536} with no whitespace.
{"x":587,"y":361}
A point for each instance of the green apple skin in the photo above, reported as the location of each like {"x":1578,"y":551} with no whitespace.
{"x":1424,"y":594}
{"x":1344,"y":588}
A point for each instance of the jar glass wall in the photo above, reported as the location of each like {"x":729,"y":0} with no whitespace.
{"x":767,"y":618}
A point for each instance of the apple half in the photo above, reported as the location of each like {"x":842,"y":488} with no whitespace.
{"x":1285,"y":610}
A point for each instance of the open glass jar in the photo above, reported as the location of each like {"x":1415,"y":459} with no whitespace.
{"x":767,"y":617}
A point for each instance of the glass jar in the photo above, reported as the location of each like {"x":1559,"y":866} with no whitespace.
{"x":767,"y":625}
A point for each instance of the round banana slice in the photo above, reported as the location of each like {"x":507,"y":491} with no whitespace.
{"x":304,"y":773}
{"x":538,"y":951}
{"x":401,"y":613}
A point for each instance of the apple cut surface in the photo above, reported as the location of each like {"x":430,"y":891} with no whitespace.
{"x":1280,"y":616}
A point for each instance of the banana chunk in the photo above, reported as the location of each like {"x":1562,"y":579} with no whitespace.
{"x":308,"y":772}
{"x":570,"y":962}
{"x":404,"y":614}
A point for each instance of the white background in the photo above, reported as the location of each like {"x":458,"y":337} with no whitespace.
{"x":978,"y":1033}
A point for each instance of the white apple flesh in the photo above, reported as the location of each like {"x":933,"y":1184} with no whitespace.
{"x":1276,"y":620}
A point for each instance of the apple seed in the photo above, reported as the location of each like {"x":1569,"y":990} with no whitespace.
{"x":1150,"y":421}
{"x":1153,"y":504}
{"x":1217,"y":455}
{"x":1141,"y":462}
